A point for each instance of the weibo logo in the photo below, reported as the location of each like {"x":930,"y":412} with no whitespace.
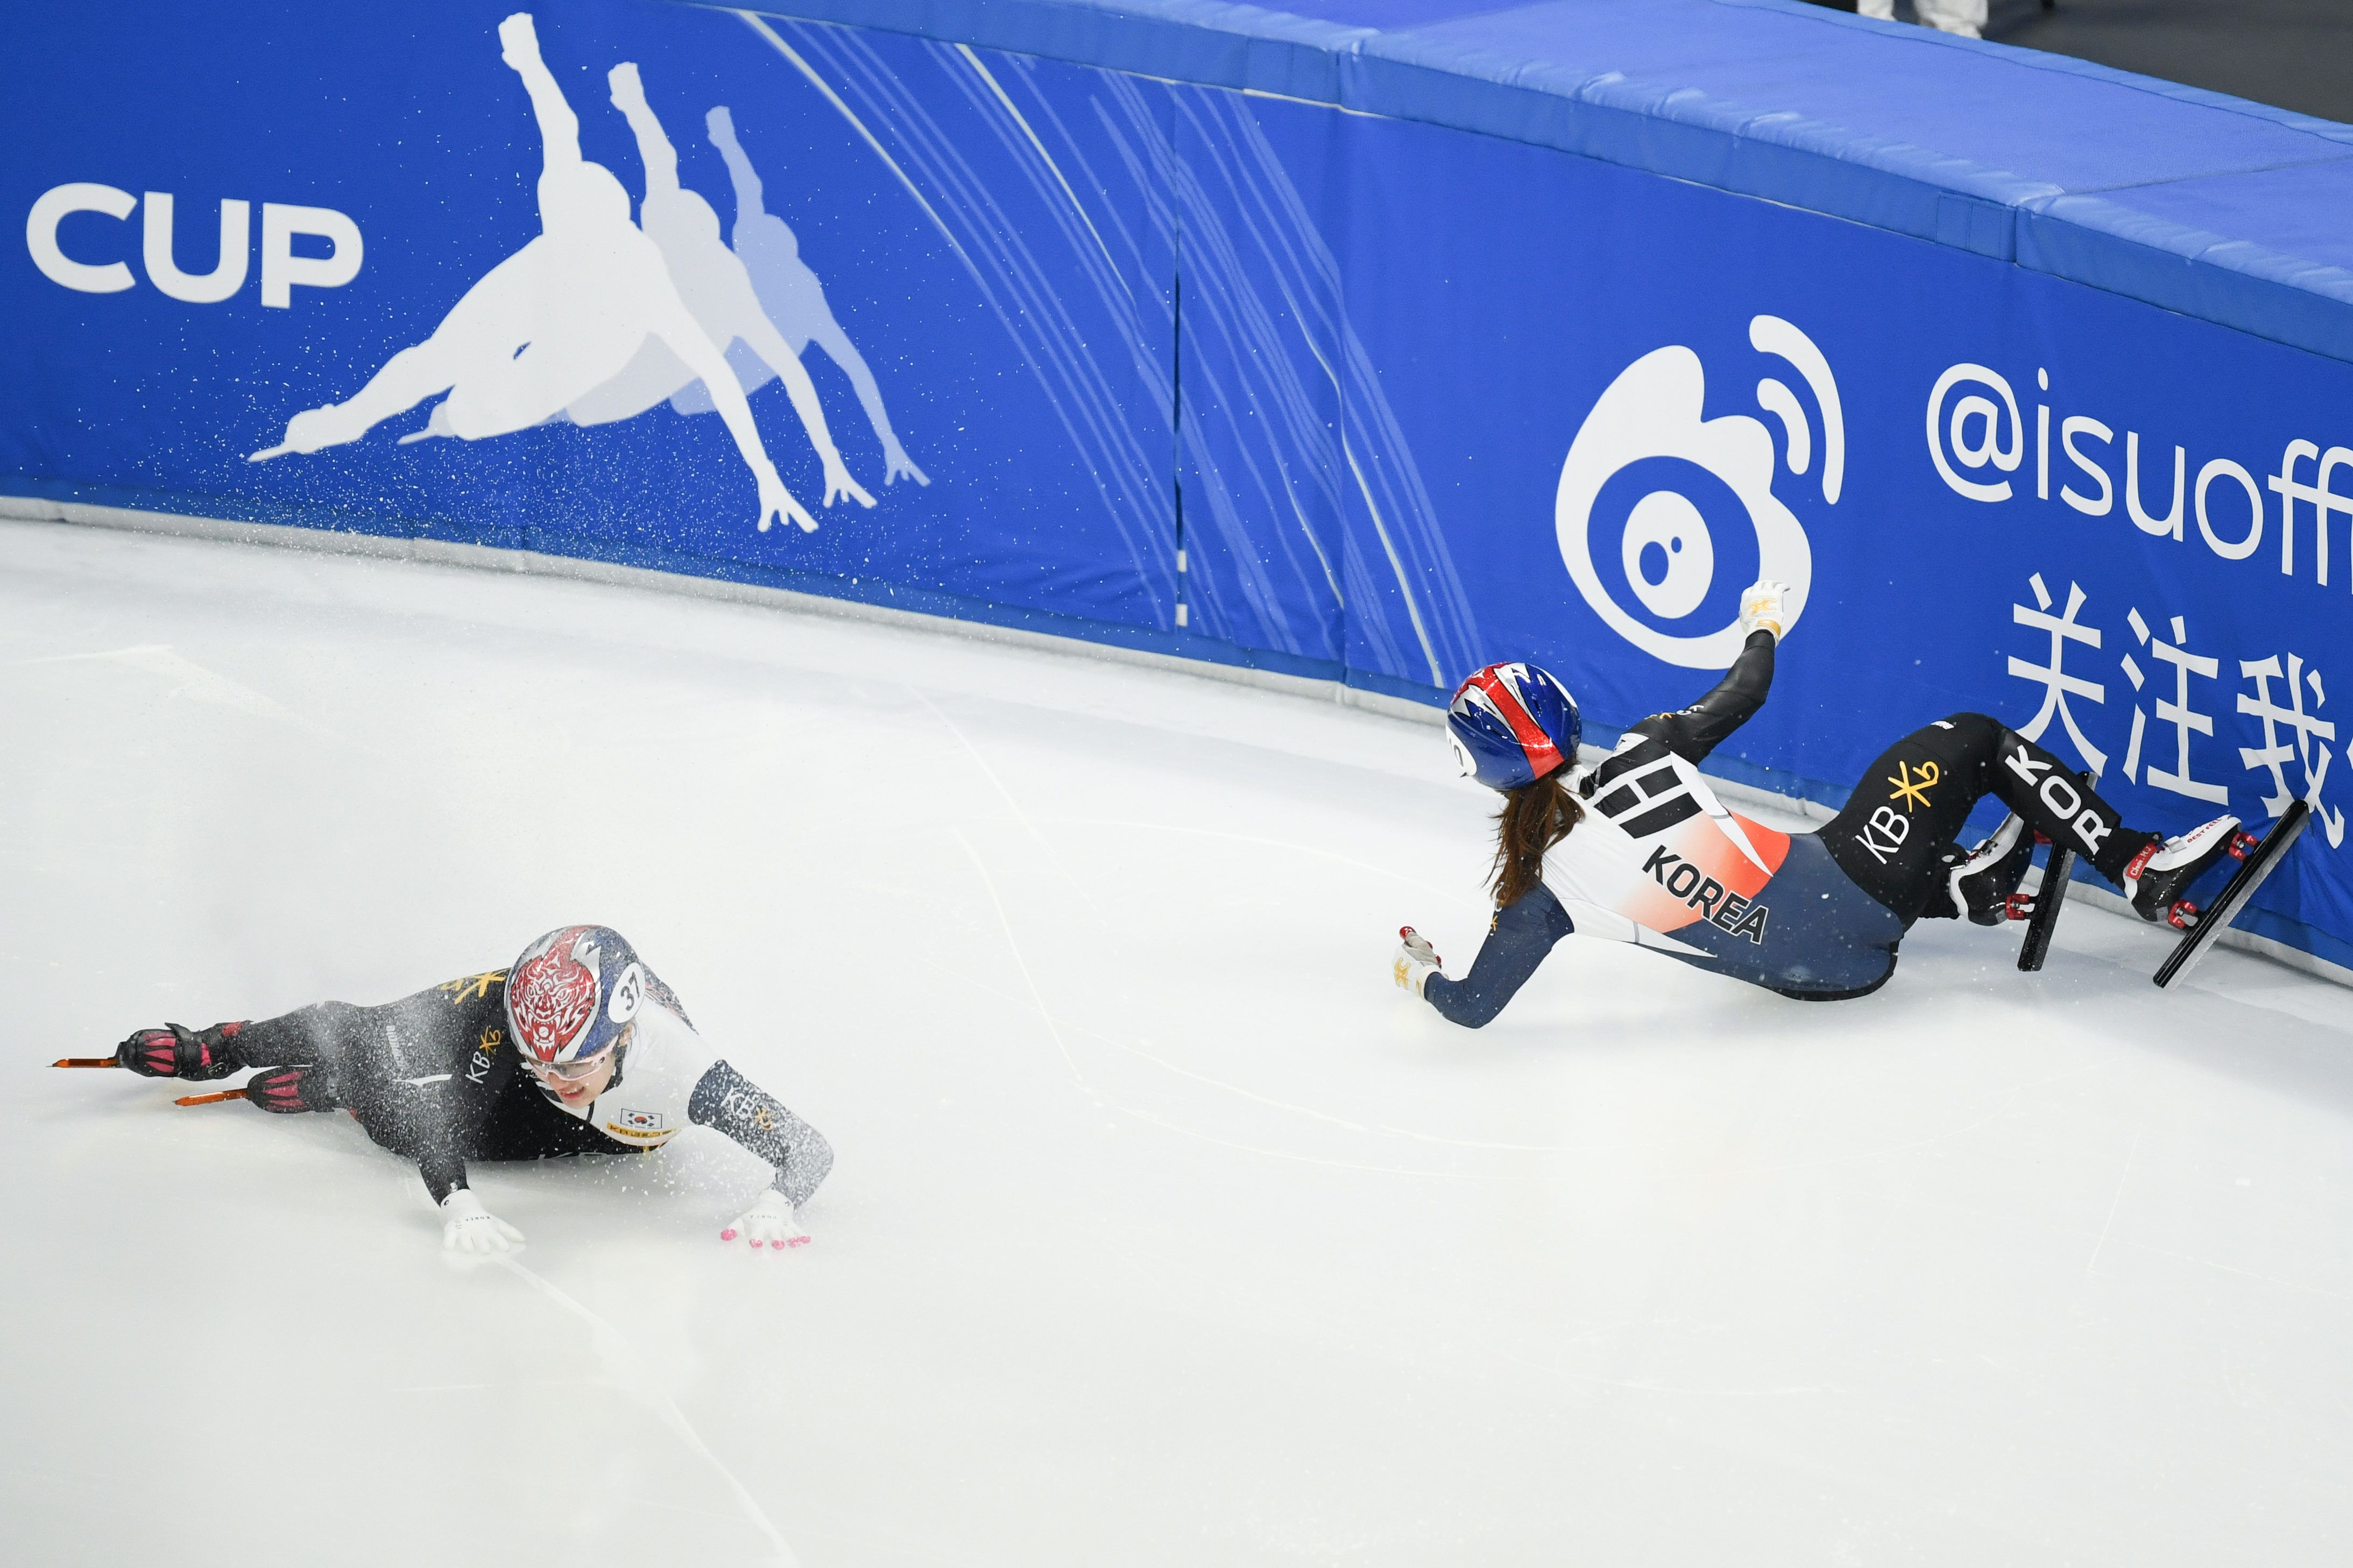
{"x":1645,"y":462}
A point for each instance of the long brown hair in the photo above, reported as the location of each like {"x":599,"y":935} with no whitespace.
{"x":1534,"y":817}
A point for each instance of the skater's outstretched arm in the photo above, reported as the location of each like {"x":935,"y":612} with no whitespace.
{"x":729,"y":1102}
{"x":1699,"y":729}
{"x":559,"y":128}
{"x":1518,"y":940}
{"x":654,"y":149}
{"x":726,"y":1102}
{"x":721,"y":125}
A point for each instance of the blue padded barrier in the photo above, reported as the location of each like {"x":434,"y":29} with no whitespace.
{"x":1895,"y":126}
{"x":1369,"y":345}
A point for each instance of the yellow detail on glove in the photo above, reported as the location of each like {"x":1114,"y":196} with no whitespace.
{"x":1761,"y":604}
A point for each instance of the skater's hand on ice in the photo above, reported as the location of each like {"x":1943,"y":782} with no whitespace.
{"x":777,"y":502}
{"x":470,"y":1227}
{"x":1762,"y":606}
{"x":838,"y":484}
{"x":1415,"y":961}
{"x":771,"y":1221}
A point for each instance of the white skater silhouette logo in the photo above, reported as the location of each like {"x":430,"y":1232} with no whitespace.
{"x":715,"y":287}
{"x":795,"y":300}
{"x":1652,"y":410}
{"x":555,"y":323}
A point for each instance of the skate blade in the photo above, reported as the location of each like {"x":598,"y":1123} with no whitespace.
{"x":2216,"y":917}
{"x":2042,"y":921}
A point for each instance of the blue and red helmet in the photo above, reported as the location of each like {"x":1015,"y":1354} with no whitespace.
{"x":572,"y":993}
{"x":1512,"y":724}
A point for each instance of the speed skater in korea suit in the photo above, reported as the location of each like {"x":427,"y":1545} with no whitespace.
{"x":579,"y":1048}
{"x":1639,"y":848}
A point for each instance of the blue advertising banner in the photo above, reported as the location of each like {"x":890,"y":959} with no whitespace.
{"x":1173,"y":366}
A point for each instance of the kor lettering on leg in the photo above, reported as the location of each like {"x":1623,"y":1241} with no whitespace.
{"x":2026,"y":767}
{"x":2066,"y":801}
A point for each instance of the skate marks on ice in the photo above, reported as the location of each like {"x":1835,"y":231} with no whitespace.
{"x":187,"y":678}
{"x":1099,"y":1066}
{"x":1112,"y":1051}
{"x":628,"y":1369}
{"x":595,"y":319}
{"x":1148,"y":1104}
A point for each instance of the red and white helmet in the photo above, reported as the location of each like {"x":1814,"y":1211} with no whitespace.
{"x":1512,"y":724}
{"x":572,"y":993}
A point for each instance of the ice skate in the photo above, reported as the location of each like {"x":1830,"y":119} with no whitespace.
{"x":289,"y":1091}
{"x":177,"y":1051}
{"x":1983,"y":884}
{"x":2159,"y":875}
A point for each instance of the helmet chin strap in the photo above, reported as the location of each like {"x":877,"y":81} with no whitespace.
{"x":621,"y":1054}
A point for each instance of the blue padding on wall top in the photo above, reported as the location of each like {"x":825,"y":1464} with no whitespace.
{"x":2203,"y":204}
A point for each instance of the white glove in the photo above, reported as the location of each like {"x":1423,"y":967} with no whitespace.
{"x":470,"y":1227}
{"x":769,"y":1220}
{"x":1415,"y":960}
{"x":1761,"y":606}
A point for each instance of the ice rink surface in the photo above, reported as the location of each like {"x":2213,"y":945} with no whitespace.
{"x":1163,"y":1229}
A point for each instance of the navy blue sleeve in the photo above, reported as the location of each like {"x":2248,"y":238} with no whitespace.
{"x":1517,"y":940}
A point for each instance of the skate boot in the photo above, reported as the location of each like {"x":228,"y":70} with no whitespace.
{"x":174,"y":1051}
{"x":2160,"y":874}
{"x":1983,"y":884}
{"x":289,"y":1091}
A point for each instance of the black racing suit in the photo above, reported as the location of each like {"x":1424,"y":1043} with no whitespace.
{"x":1845,"y":894}
{"x":477,"y":1102}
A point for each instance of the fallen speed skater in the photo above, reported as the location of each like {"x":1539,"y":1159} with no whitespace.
{"x":1639,"y":849}
{"x":579,"y":1048}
